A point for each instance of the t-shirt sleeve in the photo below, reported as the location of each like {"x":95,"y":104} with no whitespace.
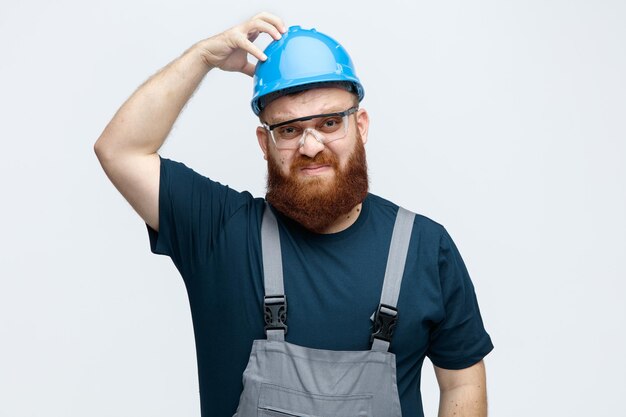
{"x":460,"y":339}
{"x":192,"y":211}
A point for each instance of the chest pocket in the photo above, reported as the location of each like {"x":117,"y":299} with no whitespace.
{"x":277,"y":401}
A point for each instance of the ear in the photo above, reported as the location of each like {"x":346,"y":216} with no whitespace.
{"x":262,"y":137}
{"x":363,"y":124}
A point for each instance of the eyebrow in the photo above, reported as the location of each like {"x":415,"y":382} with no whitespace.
{"x":315,"y":116}
{"x":291,"y":117}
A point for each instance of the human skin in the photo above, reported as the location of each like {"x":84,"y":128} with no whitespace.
{"x":127,"y":150}
{"x":463,"y":393}
{"x":311,"y":102}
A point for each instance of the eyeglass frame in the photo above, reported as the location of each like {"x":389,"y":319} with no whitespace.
{"x":344,"y":113}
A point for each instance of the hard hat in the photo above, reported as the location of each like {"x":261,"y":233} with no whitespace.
{"x":299,"y":60}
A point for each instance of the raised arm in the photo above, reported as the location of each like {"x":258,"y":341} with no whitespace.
{"x":463,"y":392}
{"x":127,"y":148}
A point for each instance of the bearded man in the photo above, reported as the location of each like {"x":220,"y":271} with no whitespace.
{"x":351,"y":340}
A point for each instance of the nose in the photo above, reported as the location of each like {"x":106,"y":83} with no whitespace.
{"x":312,"y":146}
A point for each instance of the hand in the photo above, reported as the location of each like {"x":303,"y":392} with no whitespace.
{"x":229,"y":50}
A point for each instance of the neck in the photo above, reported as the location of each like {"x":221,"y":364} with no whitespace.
{"x":345,"y":221}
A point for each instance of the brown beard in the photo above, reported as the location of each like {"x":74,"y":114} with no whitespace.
{"x":316,"y":203}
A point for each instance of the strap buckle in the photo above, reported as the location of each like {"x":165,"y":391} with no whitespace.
{"x":384,"y":323}
{"x":275,"y":307}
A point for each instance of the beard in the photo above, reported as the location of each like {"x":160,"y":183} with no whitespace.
{"x":317,"y":202}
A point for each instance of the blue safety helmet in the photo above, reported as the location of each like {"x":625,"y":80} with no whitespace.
{"x":299,"y":60}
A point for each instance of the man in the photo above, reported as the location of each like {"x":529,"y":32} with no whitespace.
{"x":334,"y":236}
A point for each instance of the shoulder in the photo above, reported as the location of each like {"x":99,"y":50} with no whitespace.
{"x":426,"y":227}
{"x":178,"y":171}
{"x":178,"y":176}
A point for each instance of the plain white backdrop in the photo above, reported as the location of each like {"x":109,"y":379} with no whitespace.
{"x":502,"y":120}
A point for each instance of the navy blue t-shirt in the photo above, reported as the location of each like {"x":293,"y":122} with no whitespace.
{"x":332,"y":281}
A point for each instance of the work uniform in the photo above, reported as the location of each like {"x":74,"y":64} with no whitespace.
{"x":283,"y":379}
{"x":333,"y":284}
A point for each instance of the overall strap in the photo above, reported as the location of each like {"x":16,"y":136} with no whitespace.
{"x":386,"y":315}
{"x":275,"y":302}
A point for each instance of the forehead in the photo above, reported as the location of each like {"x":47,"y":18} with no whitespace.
{"x":306,"y":103}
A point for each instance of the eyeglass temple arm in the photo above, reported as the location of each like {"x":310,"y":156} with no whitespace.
{"x":305,"y":118}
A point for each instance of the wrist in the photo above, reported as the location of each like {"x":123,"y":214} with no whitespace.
{"x":196,"y":53}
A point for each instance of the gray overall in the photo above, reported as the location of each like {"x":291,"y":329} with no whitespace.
{"x":283,"y":379}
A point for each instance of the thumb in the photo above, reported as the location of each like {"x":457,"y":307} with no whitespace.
{"x":249,"y":69}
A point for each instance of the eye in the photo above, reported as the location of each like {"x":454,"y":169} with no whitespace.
{"x":288,"y":132}
{"x":331,"y":124}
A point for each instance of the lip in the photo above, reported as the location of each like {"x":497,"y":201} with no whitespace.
{"x":314,"y":169}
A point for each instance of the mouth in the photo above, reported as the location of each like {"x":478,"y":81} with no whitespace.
{"x":315,"y":169}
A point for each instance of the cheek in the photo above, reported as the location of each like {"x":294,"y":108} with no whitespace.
{"x":343,"y":154}
{"x":283,"y":162}
{"x":343,"y":162}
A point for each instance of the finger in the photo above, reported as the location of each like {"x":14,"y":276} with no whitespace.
{"x":253,"y":35}
{"x":274,"y":20}
{"x":263,"y":26}
{"x":249,"y":69}
{"x":251,"y":48}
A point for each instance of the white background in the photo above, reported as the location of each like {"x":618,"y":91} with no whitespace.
{"x":502,"y":120}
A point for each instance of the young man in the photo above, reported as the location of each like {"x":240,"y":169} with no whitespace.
{"x":330,"y":238}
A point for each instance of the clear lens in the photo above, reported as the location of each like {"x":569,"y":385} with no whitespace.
{"x":326,"y":129}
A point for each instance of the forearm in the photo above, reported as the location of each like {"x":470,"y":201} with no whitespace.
{"x":463,"y":401}
{"x":143,"y":122}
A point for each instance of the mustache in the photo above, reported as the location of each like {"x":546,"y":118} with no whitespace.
{"x":322,"y":158}
{"x":317,"y":204}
